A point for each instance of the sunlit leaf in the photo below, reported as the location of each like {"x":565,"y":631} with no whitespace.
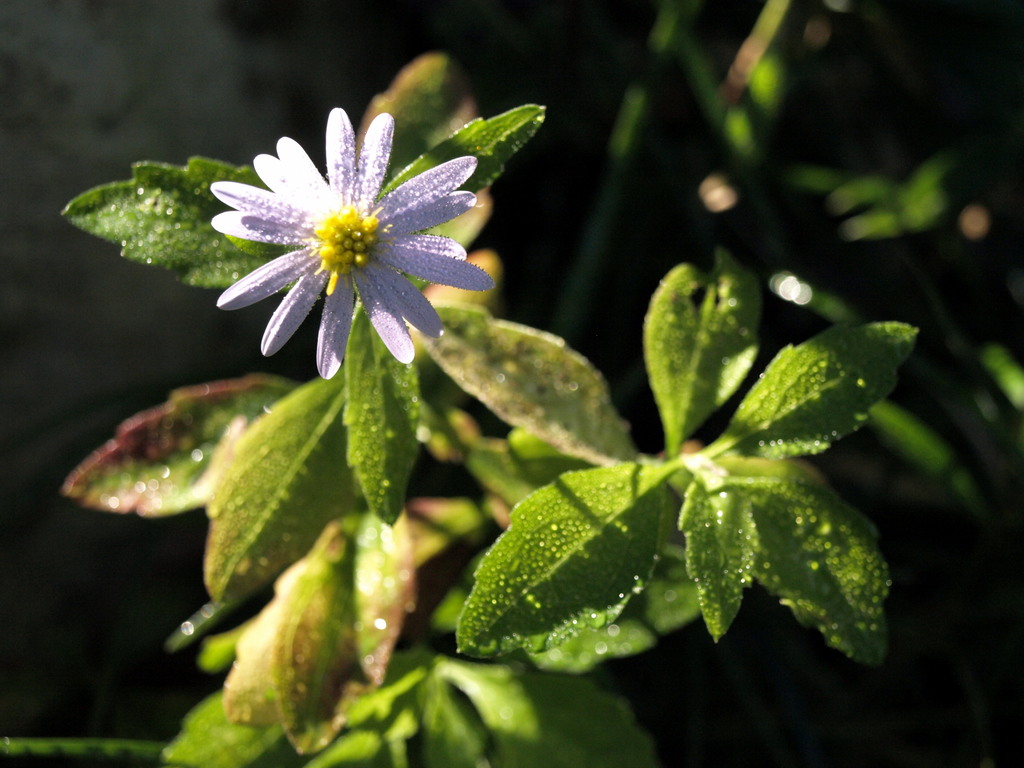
{"x":287,"y":479}
{"x":549,"y":720}
{"x":813,"y":394}
{"x":453,"y":734}
{"x":721,"y":547}
{"x":209,"y":740}
{"x":700,"y":339}
{"x":576,"y":551}
{"x":668,"y":602}
{"x":492,"y":141}
{"x":162,"y":217}
{"x":381,"y":416}
{"x":821,"y":558}
{"x":168,"y":459}
{"x":532,"y":380}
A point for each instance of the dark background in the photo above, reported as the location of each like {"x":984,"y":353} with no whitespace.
{"x":88,"y":339}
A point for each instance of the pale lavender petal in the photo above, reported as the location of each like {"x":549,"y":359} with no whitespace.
{"x":386,"y":318}
{"x":429,"y":214}
{"x":407,"y":299}
{"x":238,"y":224}
{"x":373,"y":160}
{"x":437,"y":259}
{"x":334,"y":328}
{"x":301,"y":175}
{"x":292,"y":311}
{"x":267,"y":280}
{"x":261,"y":203}
{"x":341,"y":155}
{"x":427,"y":187}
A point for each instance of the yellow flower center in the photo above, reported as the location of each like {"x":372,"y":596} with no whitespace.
{"x":345,"y":239}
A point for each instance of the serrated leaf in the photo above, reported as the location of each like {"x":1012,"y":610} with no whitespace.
{"x":430,"y":98}
{"x":381,"y":415}
{"x":820,"y":556}
{"x":287,"y":480}
{"x":162,"y":217}
{"x":209,"y":740}
{"x":531,"y":379}
{"x":492,"y":141}
{"x":550,"y":720}
{"x":813,"y":394}
{"x":721,"y":547}
{"x":668,"y":602}
{"x":700,"y":339}
{"x":574,"y":554}
{"x":168,"y":459}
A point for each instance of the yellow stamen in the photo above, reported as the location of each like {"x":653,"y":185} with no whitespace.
{"x":343,"y":240}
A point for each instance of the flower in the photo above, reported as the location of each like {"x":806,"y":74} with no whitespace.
{"x":348,"y":240}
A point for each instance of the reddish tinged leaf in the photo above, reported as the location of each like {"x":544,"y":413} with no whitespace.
{"x":167,"y":459}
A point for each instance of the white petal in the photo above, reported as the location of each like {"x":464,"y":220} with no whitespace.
{"x":303,"y":179}
{"x":408,"y":300}
{"x":292,"y":311}
{"x":341,"y":155}
{"x":429,"y":214}
{"x":373,"y":159}
{"x":238,"y":224}
{"x":267,"y":280}
{"x":260,"y":203}
{"x":334,"y":328}
{"x":386,"y":319}
{"x":427,"y":187}
{"x":437,"y":259}
{"x":271,"y":171}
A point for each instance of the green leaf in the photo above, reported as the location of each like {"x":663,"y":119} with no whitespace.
{"x":162,"y":217}
{"x":383,"y":573}
{"x":576,"y":551}
{"x":531,"y":379}
{"x":492,"y":142}
{"x":492,"y":466}
{"x":820,"y":556}
{"x":287,"y":479}
{"x":813,"y":394}
{"x":381,"y":415}
{"x":453,"y":735}
{"x":315,"y":659}
{"x":700,"y":339}
{"x":429,"y":98}
{"x":721,"y":546}
{"x":512,"y":469}
{"x":539,"y":462}
{"x":209,"y":740}
{"x":550,"y":720}
{"x":168,"y":459}
{"x":668,"y":602}
{"x":355,"y":749}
